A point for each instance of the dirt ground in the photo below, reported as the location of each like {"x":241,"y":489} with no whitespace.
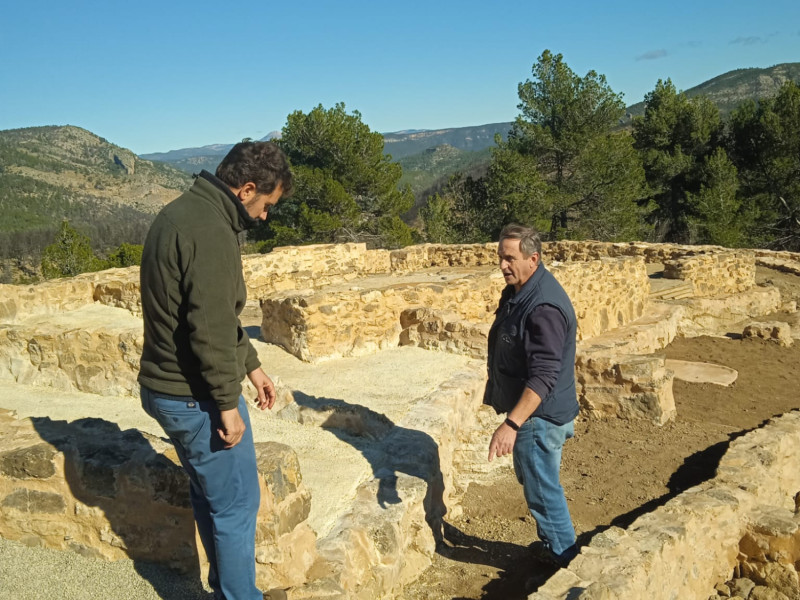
{"x":615,"y":471}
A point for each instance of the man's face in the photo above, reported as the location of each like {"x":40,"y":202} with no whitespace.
{"x":258,"y":205}
{"x":516,"y":268}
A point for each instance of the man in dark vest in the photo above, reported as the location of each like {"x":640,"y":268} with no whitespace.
{"x":532,"y":380}
{"x":196,"y":352}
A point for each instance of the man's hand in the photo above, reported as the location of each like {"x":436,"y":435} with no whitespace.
{"x":502,"y":442}
{"x":232,"y":428}
{"x":264,"y":387}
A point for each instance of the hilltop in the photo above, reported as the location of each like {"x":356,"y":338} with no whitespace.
{"x":48,"y":174}
{"x":729,"y":90}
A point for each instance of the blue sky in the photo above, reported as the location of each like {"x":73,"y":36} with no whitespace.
{"x":155,"y":76}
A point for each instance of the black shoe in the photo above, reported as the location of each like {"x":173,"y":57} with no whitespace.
{"x":542,"y":553}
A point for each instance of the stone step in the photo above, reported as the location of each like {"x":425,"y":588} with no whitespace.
{"x":670,"y":289}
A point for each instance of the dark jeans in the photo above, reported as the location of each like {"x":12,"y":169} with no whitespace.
{"x":224,"y":488}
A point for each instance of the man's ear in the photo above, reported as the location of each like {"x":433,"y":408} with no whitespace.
{"x":247,"y":191}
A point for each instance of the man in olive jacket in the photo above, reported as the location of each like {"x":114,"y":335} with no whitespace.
{"x":532,"y":380}
{"x":196,"y":352}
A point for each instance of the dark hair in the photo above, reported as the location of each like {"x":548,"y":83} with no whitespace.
{"x":263,"y":163}
{"x":529,"y":239}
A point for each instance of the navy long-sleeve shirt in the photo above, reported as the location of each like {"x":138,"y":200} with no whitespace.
{"x":543,"y":338}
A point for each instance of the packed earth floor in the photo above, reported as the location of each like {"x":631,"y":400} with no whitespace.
{"x":614,"y":471}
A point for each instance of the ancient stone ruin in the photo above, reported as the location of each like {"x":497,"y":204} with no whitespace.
{"x":379,"y":427}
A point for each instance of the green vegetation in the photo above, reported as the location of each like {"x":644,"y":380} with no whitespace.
{"x":71,"y":254}
{"x":719,"y":164}
{"x":563,"y":168}
{"x":52,"y":174}
{"x":688,"y":171}
{"x":682,"y":175}
{"x":428,"y":172}
{"x":764,"y":142}
{"x":346,"y":188}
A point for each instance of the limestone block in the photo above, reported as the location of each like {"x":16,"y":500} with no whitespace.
{"x":120,"y":288}
{"x":285,"y":544}
{"x":701,"y":372}
{"x":625,"y":386}
{"x":773,"y":535}
{"x":741,"y":586}
{"x":704,"y":316}
{"x":88,"y":487}
{"x":761,"y":592}
{"x":51,"y":297}
{"x":773,"y":331}
{"x":92,"y":349}
{"x":440,"y":330}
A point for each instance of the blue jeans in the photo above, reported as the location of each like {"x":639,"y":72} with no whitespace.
{"x":537,"y":462}
{"x":223,"y":488}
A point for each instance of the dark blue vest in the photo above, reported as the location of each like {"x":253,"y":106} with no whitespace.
{"x":508,"y":368}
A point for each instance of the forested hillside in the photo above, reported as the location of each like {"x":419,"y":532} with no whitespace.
{"x":52,"y":174}
{"x":718,"y":164}
{"x":682,"y":173}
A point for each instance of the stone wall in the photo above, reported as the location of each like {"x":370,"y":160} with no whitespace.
{"x":692,"y":543}
{"x":426,"y":256}
{"x":88,"y":487}
{"x":716,"y":274}
{"x":567,"y":250}
{"x":314,"y":325}
{"x":440,"y":330}
{"x":326,"y":324}
{"x":309,"y":267}
{"x":113,"y":287}
{"x":93,"y":349}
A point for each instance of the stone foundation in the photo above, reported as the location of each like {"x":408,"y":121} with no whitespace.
{"x":113,"y":287}
{"x":316,"y":325}
{"x":88,"y":487}
{"x":91,"y":349}
{"x":718,"y":316}
{"x":718,"y":274}
{"x":71,"y":486}
{"x":693,"y":543}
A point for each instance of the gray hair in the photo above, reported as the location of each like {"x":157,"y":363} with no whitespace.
{"x":529,"y":239}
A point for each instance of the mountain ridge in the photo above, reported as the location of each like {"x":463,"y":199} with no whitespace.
{"x":726,"y":91}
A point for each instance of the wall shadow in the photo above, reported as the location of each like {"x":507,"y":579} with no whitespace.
{"x":389,"y":448}
{"x":119,"y":473}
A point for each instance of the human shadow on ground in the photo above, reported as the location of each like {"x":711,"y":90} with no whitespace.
{"x":389,"y":448}
{"x":516,"y":564}
{"x":522,"y":574}
{"x":142,"y":494}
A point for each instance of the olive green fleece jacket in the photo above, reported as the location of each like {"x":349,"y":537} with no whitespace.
{"x":192,"y":294}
